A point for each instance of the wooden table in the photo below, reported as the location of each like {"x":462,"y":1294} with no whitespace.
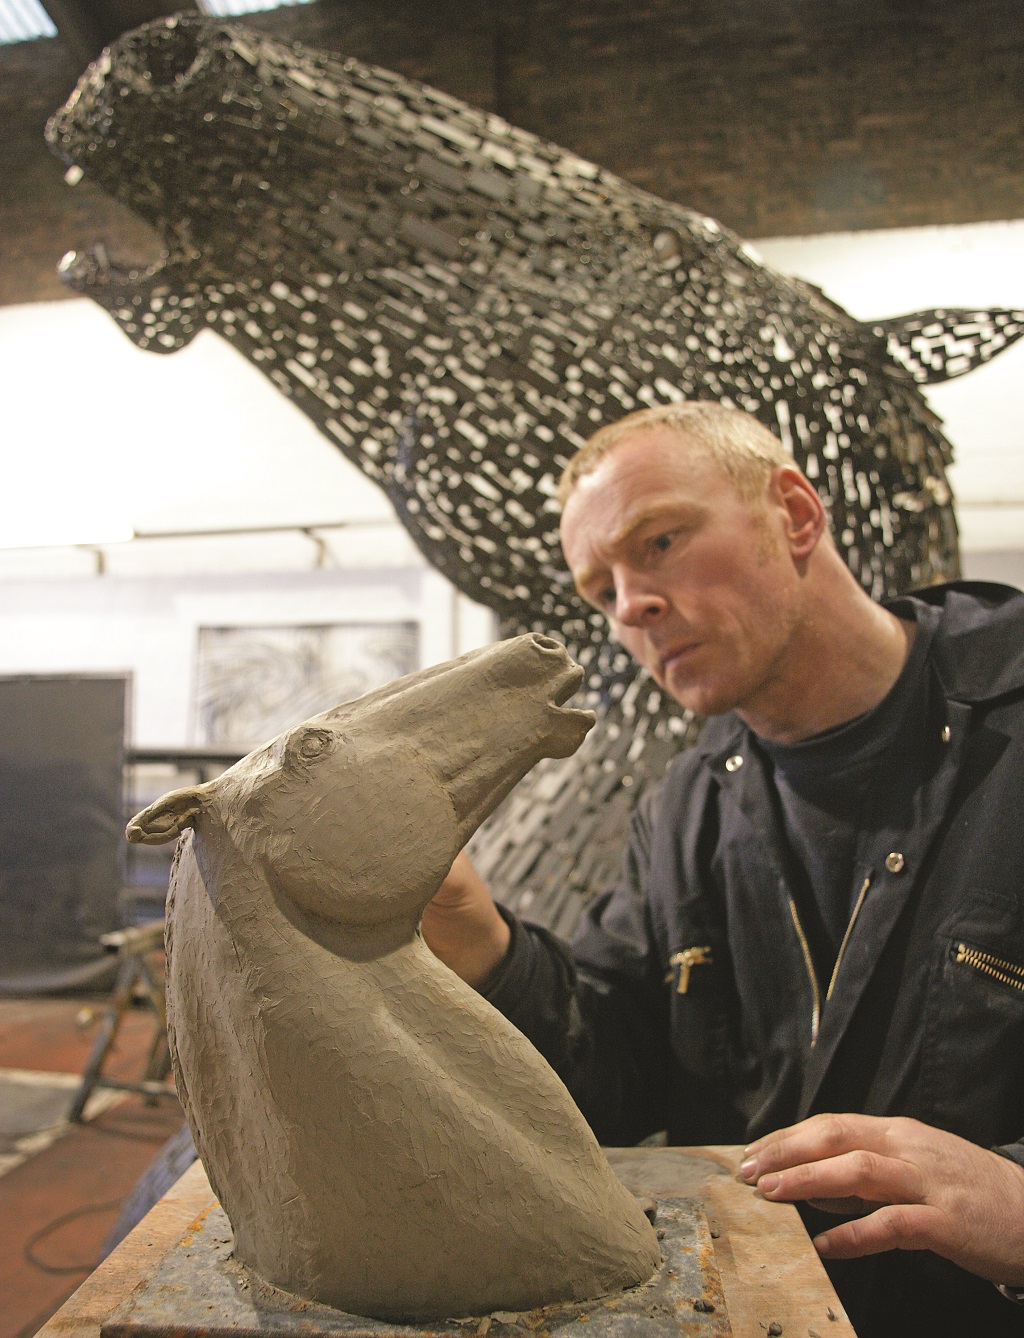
{"x":770,"y":1273}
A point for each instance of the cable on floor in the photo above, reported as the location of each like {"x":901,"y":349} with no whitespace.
{"x":28,"y":1250}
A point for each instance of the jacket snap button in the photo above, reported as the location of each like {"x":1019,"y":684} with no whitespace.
{"x":733,"y":763}
{"x":894,"y":861}
{"x":946,"y":734}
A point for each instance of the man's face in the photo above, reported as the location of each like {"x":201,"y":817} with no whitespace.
{"x":697,"y":583}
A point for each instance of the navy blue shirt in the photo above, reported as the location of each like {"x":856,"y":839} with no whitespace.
{"x":837,"y":790}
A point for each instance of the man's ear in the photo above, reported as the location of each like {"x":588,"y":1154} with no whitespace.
{"x":804,"y":510}
{"x":164,"y":820}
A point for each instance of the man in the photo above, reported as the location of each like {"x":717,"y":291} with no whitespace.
{"x":821,"y":909}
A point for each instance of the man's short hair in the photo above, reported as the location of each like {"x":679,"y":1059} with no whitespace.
{"x":742,"y":447}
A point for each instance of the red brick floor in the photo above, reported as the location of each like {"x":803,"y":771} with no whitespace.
{"x":57,"y":1206}
{"x":56,"y":1035}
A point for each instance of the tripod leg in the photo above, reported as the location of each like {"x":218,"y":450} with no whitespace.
{"x":120,"y":1001}
{"x":158,"y":1062}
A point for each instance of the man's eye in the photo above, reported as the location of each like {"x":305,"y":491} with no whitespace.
{"x":662,"y":542}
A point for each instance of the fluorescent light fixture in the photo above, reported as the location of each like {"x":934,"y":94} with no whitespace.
{"x":229,"y":8}
{"x":23,"y":20}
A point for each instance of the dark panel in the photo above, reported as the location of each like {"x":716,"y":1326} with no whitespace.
{"x":61,"y":825}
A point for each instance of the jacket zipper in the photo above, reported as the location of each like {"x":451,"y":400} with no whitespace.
{"x":809,"y":961}
{"x":846,"y":937}
{"x":1007,"y":972}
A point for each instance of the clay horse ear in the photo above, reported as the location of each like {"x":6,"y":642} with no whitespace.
{"x":164,"y":820}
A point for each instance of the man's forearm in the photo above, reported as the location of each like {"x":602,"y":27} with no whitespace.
{"x":595,"y":1034}
{"x":462,"y":926}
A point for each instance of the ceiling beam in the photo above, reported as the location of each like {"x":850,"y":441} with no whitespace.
{"x":87,"y":26}
{"x":76,"y":28}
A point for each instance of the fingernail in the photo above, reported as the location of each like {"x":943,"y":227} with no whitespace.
{"x":748,"y":1169}
{"x":822,"y":1245}
{"x":768,"y":1183}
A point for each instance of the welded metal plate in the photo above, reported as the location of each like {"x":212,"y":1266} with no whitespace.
{"x":200,"y":1291}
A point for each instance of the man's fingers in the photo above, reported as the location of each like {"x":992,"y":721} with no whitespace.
{"x":923,"y":1188}
{"x":900,"y":1227}
{"x":843,"y":1207}
{"x":811,"y":1140}
{"x":817,"y":1139}
{"x":859,"y":1175}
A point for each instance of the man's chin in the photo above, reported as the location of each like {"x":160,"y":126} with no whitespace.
{"x":701,"y":698}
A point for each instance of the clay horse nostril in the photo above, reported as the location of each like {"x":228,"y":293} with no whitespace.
{"x":173,"y":56}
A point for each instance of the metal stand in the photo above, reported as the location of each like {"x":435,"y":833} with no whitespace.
{"x":137,"y":978}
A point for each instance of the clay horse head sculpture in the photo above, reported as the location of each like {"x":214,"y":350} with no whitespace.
{"x":381,"y":1139}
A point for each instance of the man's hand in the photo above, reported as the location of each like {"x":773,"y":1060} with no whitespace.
{"x":462,"y":927}
{"x":919,"y":1188}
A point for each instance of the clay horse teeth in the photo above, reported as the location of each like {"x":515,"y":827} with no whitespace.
{"x":458,"y":304}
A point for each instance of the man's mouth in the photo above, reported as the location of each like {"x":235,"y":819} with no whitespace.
{"x":678,"y":655}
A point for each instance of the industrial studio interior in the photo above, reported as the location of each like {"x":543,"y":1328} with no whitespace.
{"x":304,"y":307}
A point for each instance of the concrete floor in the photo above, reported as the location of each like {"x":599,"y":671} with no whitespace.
{"x":61,"y":1184}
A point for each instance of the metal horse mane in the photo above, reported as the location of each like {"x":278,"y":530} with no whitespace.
{"x":458,"y":305}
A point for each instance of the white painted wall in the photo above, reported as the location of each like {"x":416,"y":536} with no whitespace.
{"x":895,"y":272}
{"x":101,"y":438}
{"x":148,"y":627}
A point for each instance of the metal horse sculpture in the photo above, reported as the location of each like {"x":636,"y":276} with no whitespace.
{"x":458,"y":305}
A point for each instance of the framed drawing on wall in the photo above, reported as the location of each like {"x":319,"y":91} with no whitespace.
{"x":253,"y":682}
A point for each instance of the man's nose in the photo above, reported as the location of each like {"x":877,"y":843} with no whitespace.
{"x":637,"y":605}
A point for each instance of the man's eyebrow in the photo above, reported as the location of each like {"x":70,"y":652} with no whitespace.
{"x":585,"y":578}
{"x":681,"y":512}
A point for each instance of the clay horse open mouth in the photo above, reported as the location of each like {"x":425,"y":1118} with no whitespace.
{"x":567,"y":688}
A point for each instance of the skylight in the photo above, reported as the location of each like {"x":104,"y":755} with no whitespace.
{"x":226,"y":8}
{"x":22,"y":20}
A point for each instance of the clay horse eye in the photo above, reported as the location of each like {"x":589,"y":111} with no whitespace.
{"x":315,"y":742}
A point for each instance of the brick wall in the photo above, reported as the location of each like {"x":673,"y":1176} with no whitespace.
{"x":776,"y":116}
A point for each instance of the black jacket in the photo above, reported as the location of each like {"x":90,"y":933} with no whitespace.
{"x":925,"y":1014}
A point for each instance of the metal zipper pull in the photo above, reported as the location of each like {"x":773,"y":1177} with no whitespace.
{"x":996,"y":967}
{"x":686,"y":960}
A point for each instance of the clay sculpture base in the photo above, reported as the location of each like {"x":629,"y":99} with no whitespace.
{"x":201,"y":1291}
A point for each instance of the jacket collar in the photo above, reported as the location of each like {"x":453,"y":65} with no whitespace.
{"x":977,"y":652}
